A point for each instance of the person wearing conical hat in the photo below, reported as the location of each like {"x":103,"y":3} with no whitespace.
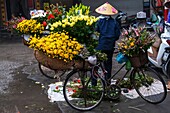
{"x":109,"y":32}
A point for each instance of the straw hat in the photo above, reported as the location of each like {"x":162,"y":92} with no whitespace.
{"x":106,"y":9}
{"x":167,"y":4}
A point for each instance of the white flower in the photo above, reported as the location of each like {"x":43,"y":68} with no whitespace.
{"x":37,"y":13}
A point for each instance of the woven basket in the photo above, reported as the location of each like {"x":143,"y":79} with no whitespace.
{"x":58,"y":64}
{"x":139,"y":60}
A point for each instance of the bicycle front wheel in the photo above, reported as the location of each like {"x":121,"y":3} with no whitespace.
{"x":149,"y":85}
{"x":79,"y":93}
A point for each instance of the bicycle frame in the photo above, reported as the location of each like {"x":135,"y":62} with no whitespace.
{"x":113,"y":75}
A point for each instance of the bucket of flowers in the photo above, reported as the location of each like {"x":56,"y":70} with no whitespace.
{"x":135,"y":43}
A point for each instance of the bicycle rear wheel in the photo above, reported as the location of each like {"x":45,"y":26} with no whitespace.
{"x":49,"y":73}
{"x":79,"y":93}
{"x":149,"y":85}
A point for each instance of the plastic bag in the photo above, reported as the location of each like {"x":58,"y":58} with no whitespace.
{"x":120,"y":58}
{"x":128,"y":65}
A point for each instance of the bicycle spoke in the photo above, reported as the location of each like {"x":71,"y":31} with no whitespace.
{"x":79,"y":91}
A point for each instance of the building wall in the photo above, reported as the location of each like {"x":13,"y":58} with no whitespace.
{"x":2,"y":11}
{"x":129,"y":6}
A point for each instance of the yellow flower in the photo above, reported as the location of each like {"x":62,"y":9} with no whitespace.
{"x":125,"y":47}
{"x":132,"y":44}
{"x":66,"y":56}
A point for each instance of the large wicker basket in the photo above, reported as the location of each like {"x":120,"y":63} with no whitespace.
{"x":139,"y":60}
{"x":58,"y":64}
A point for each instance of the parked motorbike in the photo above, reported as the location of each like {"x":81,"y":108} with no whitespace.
{"x":125,"y":21}
{"x":159,"y":52}
{"x":136,"y":20}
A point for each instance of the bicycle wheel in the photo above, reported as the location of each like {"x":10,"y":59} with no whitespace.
{"x":79,"y":92}
{"x":149,"y":85}
{"x":49,"y":73}
{"x":113,"y":92}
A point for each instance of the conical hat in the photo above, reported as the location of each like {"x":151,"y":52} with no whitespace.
{"x":106,"y":9}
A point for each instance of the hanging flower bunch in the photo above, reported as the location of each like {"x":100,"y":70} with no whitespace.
{"x":135,"y":40}
{"x":30,"y":27}
{"x":57,"y":45}
{"x":80,"y":26}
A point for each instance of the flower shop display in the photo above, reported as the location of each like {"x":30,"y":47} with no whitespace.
{"x":135,"y":43}
{"x":65,"y":37}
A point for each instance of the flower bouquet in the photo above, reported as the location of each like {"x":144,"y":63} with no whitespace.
{"x":81,"y":26}
{"x":135,"y":43}
{"x":30,"y":27}
{"x":78,"y":10}
{"x":12,"y":24}
{"x":50,"y":15}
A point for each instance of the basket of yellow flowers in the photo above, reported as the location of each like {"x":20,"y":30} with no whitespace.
{"x":57,"y":51}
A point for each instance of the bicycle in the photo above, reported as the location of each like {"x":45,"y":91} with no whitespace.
{"x":81,"y":95}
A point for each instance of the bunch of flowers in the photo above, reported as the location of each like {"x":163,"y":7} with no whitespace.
{"x":78,"y":10}
{"x":12,"y":24}
{"x":80,"y":26}
{"x":30,"y":27}
{"x":55,"y":13}
{"x":52,"y":14}
{"x":57,"y":45}
{"x":135,"y":40}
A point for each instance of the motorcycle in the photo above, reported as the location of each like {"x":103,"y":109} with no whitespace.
{"x":125,"y":21}
{"x":136,"y":20}
{"x":159,"y":52}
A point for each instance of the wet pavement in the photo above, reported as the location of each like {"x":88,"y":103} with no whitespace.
{"x":19,"y":91}
{"x":23,"y":89}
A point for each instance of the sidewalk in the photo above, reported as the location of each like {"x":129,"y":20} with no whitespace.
{"x":21,"y":68}
{"x":123,"y":106}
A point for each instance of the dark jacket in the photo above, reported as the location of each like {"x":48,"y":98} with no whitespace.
{"x":109,"y":33}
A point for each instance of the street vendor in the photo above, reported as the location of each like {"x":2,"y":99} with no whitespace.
{"x":109,"y":31}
